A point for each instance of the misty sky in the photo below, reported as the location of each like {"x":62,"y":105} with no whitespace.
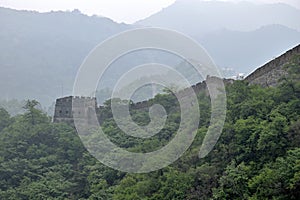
{"x":127,"y":11}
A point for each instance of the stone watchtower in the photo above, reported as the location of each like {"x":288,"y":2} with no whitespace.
{"x":69,"y":107}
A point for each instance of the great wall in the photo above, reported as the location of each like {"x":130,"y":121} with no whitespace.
{"x":268,"y":75}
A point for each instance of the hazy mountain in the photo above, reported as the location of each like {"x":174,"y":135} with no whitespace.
{"x":294,"y":3}
{"x":195,"y":17}
{"x":245,"y":51}
{"x":41,"y":52}
{"x":239,"y":35}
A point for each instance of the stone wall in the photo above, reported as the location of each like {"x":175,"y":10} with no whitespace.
{"x":69,"y":108}
{"x":270,"y":73}
{"x":267,"y":75}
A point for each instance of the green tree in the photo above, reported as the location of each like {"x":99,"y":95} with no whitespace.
{"x":5,"y":119}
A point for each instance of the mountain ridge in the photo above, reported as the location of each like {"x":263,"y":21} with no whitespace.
{"x":250,"y":15}
{"x":41,"y":52}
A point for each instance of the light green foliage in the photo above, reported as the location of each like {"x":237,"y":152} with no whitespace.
{"x":280,"y":178}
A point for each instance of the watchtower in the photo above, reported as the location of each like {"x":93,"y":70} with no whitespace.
{"x":69,"y":107}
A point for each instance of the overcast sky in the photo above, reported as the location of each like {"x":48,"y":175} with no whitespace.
{"x":127,"y":11}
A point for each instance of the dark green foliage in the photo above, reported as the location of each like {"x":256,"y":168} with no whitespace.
{"x":257,"y":156}
{"x":4,"y":119}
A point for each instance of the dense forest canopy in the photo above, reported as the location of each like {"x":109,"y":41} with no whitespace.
{"x":256,"y":157}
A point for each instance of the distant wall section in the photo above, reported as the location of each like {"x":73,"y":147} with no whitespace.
{"x":67,"y":107}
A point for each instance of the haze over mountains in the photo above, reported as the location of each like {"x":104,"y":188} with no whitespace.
{"x":196,"y":17}
{"x":238,"y":35}
{"x":41,"y":52}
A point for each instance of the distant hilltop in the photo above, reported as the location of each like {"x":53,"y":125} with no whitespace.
{"x":267,"y":76}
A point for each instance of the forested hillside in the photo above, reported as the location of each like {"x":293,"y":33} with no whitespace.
{"x":257,"y":156}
